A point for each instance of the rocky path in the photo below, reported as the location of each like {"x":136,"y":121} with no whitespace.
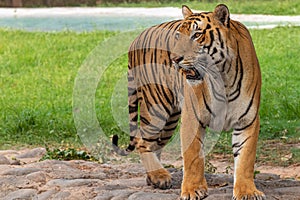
{"x":22,"y":176}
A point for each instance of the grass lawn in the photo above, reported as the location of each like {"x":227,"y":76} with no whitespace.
{"x":37,"y":78}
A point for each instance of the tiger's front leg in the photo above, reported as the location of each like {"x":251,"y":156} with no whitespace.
{"x":244,"y":150}
{"x":194,"y":185}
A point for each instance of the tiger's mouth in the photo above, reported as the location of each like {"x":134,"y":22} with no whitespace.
{"x":191,"y":73}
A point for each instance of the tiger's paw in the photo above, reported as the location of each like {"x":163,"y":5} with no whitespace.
{"x":160,"y":178}
{"x":194,"y":193}
{"x":248,"y":194}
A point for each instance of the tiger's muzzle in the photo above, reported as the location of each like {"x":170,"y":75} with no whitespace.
{"x":190,"y":71}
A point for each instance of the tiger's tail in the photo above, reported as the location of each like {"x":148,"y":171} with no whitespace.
{"x":133,"y":116}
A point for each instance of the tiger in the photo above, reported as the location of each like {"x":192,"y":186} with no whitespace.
{"x":182,"y":70}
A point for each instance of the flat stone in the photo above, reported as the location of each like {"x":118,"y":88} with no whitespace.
{"x":24,"y":194}
{"x":10,"y":183}
{"x":71,"y":183}
{"x":294,"y":191}
{"x":219,"y":197}
{"x":8,"y":152}
{"x":283,"y":197}
{"x":37,"y":177}
{"x":20,"y":171}
{"x":4,"y":160}
{"x":114,"y":194}
{"x":15,"y":162}
{"x":152,"y":196}
{"x":33,"y":153}
{"x":217,"y":180}
{"x":133,"y":182}
{"x":267,"y":176}
{"x":61,"y":195}
{"x":47,"y":194}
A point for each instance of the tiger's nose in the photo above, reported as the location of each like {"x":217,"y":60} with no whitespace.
{"x":176,"y":58}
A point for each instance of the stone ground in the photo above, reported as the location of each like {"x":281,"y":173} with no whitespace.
{"x":22,"y":176}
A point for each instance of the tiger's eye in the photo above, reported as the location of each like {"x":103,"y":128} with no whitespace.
{"x":197,"y":35}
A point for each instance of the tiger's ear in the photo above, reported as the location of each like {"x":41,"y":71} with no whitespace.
{"x":222,"y":14}
{"x":186,"y":11}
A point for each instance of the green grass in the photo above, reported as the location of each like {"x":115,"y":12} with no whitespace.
{"x":37,"y":78}
{"x":277,"y":51}
{"x":275,"y":7}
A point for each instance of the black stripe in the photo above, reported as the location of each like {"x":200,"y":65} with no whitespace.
{"x":237,"y":144}
{"x":152,"y":93}
{"x":202,"y":39}
{"x":166,"y":96}
{"x":170,"y":129}
{"x":169,"y":123}
{"x":214,"y":51}
{"x":236,"y":153}
{"x":238,"y":61}
{"x":157,"y":113}
{"x":208,"y":26}
{"x":150,"y":140}
{"x":217,"y":96}
{"x":172,"y":25}
{"x":224,"y":65}
{"x":219,"y":61}
{"x":152,"y":67}
{"x":248,"y":125}
{"x":130,"y":78}
{"x":196,"y":19}
{"x":144,"y":147}
{"x":155,"y":51}
{"x":131,"y":90}
{"x":162,"y":103}
{"x":178,"y":25}
{"x":130,"y":148}
{"x":147,"y":102}
{"x":222,"y":55}
{"x":152,"y":129}
{"x":165,"y":138}
{"x":207,"y":106}
{"x":132,"y":128}
{"x":220,"y":38}
{"x":153,"y":34}
{"x":198,"y":118}
{"x":250,"y":104}
{"x":211,"y":34}
{"x":144,"y":120}
{"x":135,"y":118}
{"x":132,"y":109}
{"x":199,"y":140}
{"x":176,"y":113}
{"x":144,"y":40}
{"x":133,"y":93}
{"x":238,"y":88}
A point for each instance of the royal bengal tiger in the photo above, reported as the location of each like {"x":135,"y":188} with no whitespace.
{"x":203,"y":69}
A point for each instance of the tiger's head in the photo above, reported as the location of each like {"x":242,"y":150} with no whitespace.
{"x":201,"y":42}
